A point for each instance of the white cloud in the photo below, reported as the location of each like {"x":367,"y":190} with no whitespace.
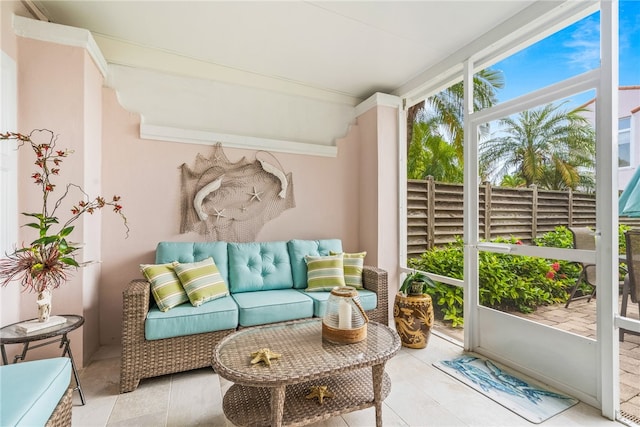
{"x":583,"y":45}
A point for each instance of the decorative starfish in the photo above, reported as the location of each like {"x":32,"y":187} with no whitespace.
{"x":264,"y":355}
{"x":319,"y":391}
{"x":255,"y":194}
{"x":219,"y":214}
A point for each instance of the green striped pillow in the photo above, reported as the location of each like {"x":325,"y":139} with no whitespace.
{"x":324,"y":272}
{"x":353,"y":266}
{"x":165,"y":285}
{"x":202,"y":281}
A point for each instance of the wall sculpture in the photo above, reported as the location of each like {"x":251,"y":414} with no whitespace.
{"x":233,"y":201}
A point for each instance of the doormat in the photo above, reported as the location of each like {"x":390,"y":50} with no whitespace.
{"x":526,"y":397}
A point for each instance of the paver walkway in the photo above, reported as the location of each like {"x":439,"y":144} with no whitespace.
{"x":579,"y":318}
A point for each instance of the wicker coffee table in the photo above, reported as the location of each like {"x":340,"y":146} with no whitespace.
{"x":276,"y":395}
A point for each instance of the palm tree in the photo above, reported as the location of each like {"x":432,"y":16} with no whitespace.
{"x":549,"y":146}
{"x":514,"y":181}
{"x":431,"y":155}
{"x":447,"y":106}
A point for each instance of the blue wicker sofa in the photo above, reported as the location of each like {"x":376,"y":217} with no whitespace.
{"x":267,"y":283}
{"x":36,"y":393}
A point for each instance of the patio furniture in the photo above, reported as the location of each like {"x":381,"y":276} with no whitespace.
{"x":10,"y":334}
{"x":632,"y":279}
{"x":267,"y":282}
{"x":306,"y":360}
{"x":583,"y":238}
{"x":36,"y":393}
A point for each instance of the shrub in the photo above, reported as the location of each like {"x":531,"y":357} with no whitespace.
{"x":507,"y":282}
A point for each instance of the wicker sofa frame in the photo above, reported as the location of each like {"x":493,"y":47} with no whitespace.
{"x":142,"y":358}
{"x":61,"y":416}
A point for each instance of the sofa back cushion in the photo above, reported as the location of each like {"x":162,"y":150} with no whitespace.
{"x":259,"y":267}
{"x":298,"y":249}
{"x":184,"y":252}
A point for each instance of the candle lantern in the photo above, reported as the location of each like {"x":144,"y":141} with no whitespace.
{"x":344,"y":321}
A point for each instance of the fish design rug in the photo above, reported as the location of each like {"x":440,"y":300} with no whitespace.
{"x":529,"y":399}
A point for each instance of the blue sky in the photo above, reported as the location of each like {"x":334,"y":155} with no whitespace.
{"x":573,"y":51}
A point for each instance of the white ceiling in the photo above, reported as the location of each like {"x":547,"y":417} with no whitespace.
{"x":348,"y":48}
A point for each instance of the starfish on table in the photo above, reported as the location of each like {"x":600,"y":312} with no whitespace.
{"x":264,"y":355}
{"x":319,"y":391}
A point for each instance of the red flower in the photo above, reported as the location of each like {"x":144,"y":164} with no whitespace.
{"x":551,"y":274}
{"x":518,"y":242}
{"x":555,"y":266}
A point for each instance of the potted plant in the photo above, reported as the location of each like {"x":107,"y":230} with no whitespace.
{"x":413,"y":310}
{"x":44,"y":264}
{"x":416,"y":283}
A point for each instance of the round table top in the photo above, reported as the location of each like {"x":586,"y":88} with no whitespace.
{"x":304,"y":354}
{"x":11,"y":335}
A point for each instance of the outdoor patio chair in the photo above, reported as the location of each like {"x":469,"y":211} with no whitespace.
{"x":632,"y":279}
{"x":583,"y":238}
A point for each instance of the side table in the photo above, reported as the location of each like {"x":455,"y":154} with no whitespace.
{"x":11,"y":335}
{"x":413,"y":316}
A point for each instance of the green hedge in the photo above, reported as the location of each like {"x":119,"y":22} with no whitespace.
{"x":507,"y":282}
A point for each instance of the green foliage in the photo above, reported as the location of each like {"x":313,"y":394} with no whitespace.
{"x":549,"y":146}
{"x":416,"y":277}
{"x":43,"y":264}
{"x":507,"y":282}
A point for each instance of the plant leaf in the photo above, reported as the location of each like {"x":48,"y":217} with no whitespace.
{"x":69,"y":261}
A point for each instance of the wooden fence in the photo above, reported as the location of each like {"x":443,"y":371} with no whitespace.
{"x":435,"y":213}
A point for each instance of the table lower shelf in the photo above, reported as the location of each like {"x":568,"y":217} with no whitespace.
{"x":251,"y":406}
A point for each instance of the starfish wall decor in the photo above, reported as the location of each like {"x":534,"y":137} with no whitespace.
{"x":233,"y":201}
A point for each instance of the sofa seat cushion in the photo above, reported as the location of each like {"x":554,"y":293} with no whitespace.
{"x":185,"y":252}
{"x":259,"y":267}
{"x":31,"y":390}
{"x":217,"y":315}
{"x":298,"y":249}
{"x":368,"y":300}
{"x":261,"y":307}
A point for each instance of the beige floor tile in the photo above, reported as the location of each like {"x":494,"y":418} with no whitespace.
{"x":150,"y":399}
{"x":195,"y":399}
{"x":421,"y":395}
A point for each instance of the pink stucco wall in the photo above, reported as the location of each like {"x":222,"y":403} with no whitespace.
{"x":146,"y":174}
{"x":60,"y":88}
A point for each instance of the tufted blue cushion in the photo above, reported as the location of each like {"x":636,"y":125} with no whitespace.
{"x":259,"y":308}
{"x":31,"y":390}
{"x":259,"y":267}
{"x":368,"y":300}
{"x":298,"y":249}
{"x":185,"y":319}
{"x":184,"y":252}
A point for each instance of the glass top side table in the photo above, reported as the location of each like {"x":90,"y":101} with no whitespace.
{"x":11,"y":335}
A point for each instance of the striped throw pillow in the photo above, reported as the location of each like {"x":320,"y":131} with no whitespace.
{"x":166,"y":288}
{"x":324,"y":272}
{"x":202,"y":281}
{"x":353,"y":266}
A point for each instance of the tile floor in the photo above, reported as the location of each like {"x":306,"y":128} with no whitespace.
{"x":421,"y":395}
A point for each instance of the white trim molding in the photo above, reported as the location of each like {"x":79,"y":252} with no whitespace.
{"x":378,"y":99}
{"x":191,"y":136}
{"x":60,"y":34}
